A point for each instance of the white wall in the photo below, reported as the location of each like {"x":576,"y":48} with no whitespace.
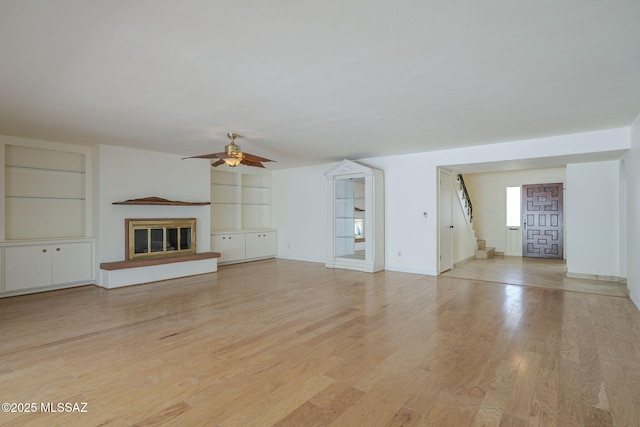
{"x":125,"y":173}
{"x":592,"y":203}
{"x":623,"y":219}
{"x":299,"y":208}
{"x":410,"y":189}
{"x":489,"y":198}
{"x":632,"y":166}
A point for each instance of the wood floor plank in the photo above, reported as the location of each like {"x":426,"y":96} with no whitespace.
{"x":280,"y":342}
{"x":519,"y":404}
{"x":497,"y":395}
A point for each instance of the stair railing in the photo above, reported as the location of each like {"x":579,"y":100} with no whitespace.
{"x":466,"y":196}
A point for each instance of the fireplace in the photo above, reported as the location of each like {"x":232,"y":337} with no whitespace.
{"x":158,"y":237}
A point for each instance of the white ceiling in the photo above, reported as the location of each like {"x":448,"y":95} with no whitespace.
{"x":315,"y":82}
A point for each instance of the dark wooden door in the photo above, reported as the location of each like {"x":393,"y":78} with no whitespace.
{"x":542,"y":221}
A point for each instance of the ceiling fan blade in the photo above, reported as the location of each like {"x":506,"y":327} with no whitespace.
{"x":218,"y":163}
{"x":256,"y":158}
{"x":208,"y":156}
{"x":247,"y":162}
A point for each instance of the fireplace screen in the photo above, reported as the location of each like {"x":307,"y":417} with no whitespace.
{"x":160,"y":237}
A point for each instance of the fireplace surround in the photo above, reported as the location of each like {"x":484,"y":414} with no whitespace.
{"x":159,"y":237}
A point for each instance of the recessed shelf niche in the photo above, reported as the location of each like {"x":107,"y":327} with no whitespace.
{"x":240,"y":201}
{"x":45,"y":194}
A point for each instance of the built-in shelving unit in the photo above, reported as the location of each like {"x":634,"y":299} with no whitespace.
{"x":225,"y":201}
{"x":241,"y":216}
{"x":45,"y":193}
{"x":356,"y":202}
{"x":256,"y":201}
{"x":240,"y":201}
{"x":45,"y":202}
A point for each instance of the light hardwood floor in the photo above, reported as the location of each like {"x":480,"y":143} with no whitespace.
{"x":544,"y":273}
{"x":289,"y":343}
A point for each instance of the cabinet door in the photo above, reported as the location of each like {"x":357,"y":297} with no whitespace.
{"x":230,"y":246}
{"x":269,"y":244}
{"x":253,"y":247}
{"x":71,"y":262}
{"x":219,"y":244}
{"x":236,"y":247}
{"x":260,"y":245}
{"x":27,"y":267}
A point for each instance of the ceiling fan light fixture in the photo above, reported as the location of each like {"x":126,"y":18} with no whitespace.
{"x":232,"y":161}
{"x":233,"y":156}
{"x":233,"y":151}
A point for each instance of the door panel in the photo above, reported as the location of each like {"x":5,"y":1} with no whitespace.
{"x":444,"y":219}
{"x":514,"y":242}
{"x":542,"y":230}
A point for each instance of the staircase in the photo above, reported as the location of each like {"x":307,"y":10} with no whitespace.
{"x":482,"y":251}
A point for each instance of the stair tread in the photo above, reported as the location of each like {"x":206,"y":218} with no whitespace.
{"x":485,"y":253}
{"x":487,"y":249}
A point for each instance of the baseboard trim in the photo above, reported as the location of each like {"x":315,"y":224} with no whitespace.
{"x":320,"y":261}
{"x":634,"y":299}
{"x":464,"y":261}
{"x":410,"y":270}
{"x":617,"y":279}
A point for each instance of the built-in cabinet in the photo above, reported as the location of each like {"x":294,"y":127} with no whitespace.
{"x":230,"y":245}
{"x":244,"y":246}
{"x":355,"y":210}
{"x":260,"y":245}
{"x":241,"y":216}
{"x":43,"y":265}
{"x":45,"y":232}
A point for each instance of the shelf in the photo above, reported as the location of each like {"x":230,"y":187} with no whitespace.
{"x":158,"y":201}
{"x":45,"y":197}
{"x":45,"y":169}
{"x":225,"y":185}
{"x":257,"y":188}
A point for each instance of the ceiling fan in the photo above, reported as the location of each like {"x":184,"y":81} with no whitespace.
{"x":233,"y":155}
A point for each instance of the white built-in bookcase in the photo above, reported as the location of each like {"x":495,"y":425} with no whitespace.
{"x":240,"y":201}
{"x":46,"y":227}
{"x":45,"y":193}
{"x":241,"y":216}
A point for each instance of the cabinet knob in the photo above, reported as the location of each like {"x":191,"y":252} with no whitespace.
{"x":224,"y":238}
{"x":44,"y":250}
{"x":229,"y":237}
{"x":57,"y":249}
